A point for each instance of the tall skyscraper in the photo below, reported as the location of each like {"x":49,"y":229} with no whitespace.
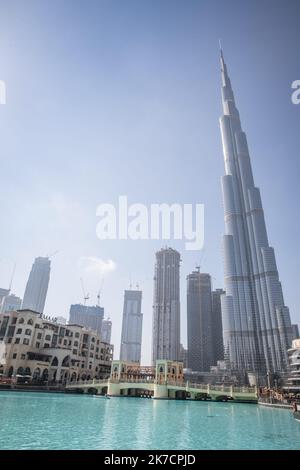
{"x":106,"y":331}
{"x":166,"y":306}
{"x":295,"y":331}
{"x":199,"y":321}
{"x":88,"y":316}
{"x":256,"y":322}
{"x":216,"y":326}
{"x":183,"y":353}
{"x":37,"y":285}
{"x":131,"y":339}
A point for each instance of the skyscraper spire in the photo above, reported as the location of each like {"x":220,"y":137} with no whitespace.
{"x":256,"y":323}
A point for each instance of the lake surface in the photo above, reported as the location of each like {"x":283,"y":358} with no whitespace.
{"x":59,"y":421}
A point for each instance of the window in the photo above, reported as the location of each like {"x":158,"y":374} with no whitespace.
{"x":14,"y":320}
{"x":46,"y":345}
{"x":97,"y":349}
{"x":11,"y":331}
{"x":76,"y":335}
{"x":76,"y":343}
{"x":39,"y":336}
{"x":9,"y":340}
{"x":37,"y":345}
{"x":93,"y":340}
{"x":30,"y":321}
{"x":91,"y":355}
{"x":75,"y":351}
{"x":19,"y":331}
{"x":26,"y":341}
{"x":28,"y":332}
{"x":47,"y":337}
{"x":17,"y":340}
{"x":4,"y":326}
{"x":14,"y":356}
{"x":21,"y":320}
{"x":23,"y":356}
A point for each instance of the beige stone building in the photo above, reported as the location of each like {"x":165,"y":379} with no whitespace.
{"x":40,"y":350}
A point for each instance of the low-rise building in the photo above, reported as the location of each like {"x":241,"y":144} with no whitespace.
{"x":44,"y":351}
{"x":292,"y":385}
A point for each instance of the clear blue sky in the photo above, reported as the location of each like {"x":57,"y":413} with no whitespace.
{"x":111,"y":97}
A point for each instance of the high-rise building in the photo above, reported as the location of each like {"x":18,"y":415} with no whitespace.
{"x":256,"y":322}
{"x":87,"y":315}
{"x":216,"y":326}
{"x":295,"y":331}
{"x":10,"y":303}
{"x":106,"y":331}
{"x":3,"y":294}
{"x":37,"y":285}
{"x":183,"y":354}
{"x":131,"y":339}
{"x":199,"y":321}
{"x":166,"y":306}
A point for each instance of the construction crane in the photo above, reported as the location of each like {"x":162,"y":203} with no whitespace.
{"x":12,"y":277}
{"x":85,"y":295}
{"x":99,"y":293}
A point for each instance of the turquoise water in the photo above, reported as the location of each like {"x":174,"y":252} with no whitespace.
{"x":58,"y":421}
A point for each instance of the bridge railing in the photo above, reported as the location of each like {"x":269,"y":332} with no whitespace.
{"x":134,"y":381}
{"x":222,"y":388}
{"x":87,"y":382}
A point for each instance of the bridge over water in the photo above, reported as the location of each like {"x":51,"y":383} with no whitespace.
{"x":167,"y":390}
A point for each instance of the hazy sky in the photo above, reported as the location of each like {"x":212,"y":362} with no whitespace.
{"x":122,"y":97}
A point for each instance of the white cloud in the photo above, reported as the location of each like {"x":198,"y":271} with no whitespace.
{"x":95,"y":265}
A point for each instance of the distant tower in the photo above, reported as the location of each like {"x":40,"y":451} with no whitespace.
{"x":131,"y":339}
{"x":3,"y":294}
{"x":11,"y":303}
{"x":88,"y":316}
{"x":106,"y":331}
{"x":166,"y":306}
{"x":216,"y":327}
{"x":199,"y":321}
{"x":295,"y":331}
{"x":256,"y":322}
{"x":37,"y":285}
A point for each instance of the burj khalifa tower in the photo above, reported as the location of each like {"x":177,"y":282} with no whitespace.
{"x":256,"y":323}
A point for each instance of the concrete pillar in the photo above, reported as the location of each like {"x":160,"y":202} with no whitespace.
{"x":113,"y":389}
{"x":160,"y":391}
